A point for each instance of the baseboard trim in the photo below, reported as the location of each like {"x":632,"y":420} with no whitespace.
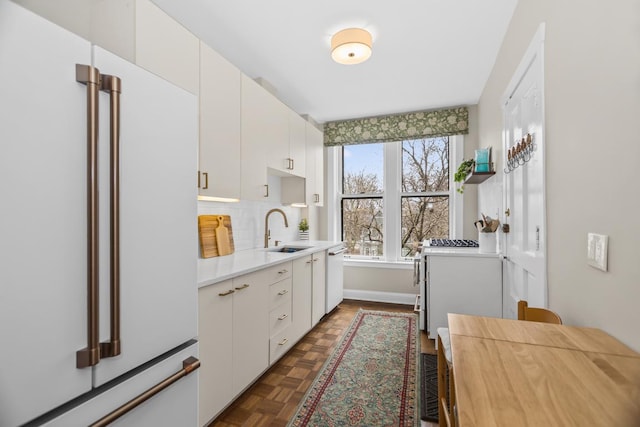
{"x":377,"y":296}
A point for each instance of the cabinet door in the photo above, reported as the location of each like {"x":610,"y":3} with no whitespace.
{"x":250,"y":329}
{"x":314,"y":166}
{"x":319,"y":286}
{"x":158,"y":217}
{"x":43,"y":247}
{"x":297,"y":144}
{"x":254,"y":148}
{"x":301,"y":296}
{"x":165,"y":47}
{"x":215,"y":317}
{"x":219,"y":160}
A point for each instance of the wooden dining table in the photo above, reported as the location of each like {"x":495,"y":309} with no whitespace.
{"x":517,"y":373}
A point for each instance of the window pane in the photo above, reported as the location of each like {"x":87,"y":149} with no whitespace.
{"x":362,"y":226}
{"x":362,"y":168}
{"x":423,"y":218}
{"x":425,"y":165}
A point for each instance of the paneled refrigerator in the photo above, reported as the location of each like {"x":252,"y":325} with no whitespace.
{"x":98,"y":243}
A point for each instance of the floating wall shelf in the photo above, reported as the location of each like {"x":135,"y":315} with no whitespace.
{"x":478,"y":177}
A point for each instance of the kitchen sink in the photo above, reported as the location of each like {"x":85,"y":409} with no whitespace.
{"x":289,"y":249}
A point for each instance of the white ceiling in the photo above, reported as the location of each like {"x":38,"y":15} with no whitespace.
{"x":426,"y":53}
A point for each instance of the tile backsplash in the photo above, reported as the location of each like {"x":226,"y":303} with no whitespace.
{"x":247,"y":221}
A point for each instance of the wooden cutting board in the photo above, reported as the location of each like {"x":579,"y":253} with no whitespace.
{"x":209,"y":246}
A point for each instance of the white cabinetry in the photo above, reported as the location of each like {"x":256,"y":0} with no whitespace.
{"x":215,"y":317}
{"x":238,"y":318}
{"x":314,"y":166}
{"x":136,"y":30}
{"x":301,"y":290}
{"x":219,"y":160}
{"x":319,"y":263}
{"x":256,"y":134}
{"x":297,"y":144}
{"x":280,"y":329}
{"x":165,"y":47}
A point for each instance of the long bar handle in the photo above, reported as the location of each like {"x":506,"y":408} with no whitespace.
{"x":113,"y":86}
{"x":338,"y":252}
{"x":188,"y":365}
{"x":90,"y":356}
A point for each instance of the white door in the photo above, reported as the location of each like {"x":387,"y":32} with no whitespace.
{"x":525,"y":275}
{"x":43,"y":239}
{"x":158,"y":231}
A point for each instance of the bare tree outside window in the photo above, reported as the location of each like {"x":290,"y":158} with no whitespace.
{"x":423,"y":196}
{"x":425,"y":187}
{"x":362,"y":205}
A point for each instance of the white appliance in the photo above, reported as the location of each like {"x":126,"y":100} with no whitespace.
{"x":335,"y":277}
{"x":98,"y":296}
{"x":456,"y":279}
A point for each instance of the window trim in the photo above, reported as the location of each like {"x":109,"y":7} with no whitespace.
{"x":392,"y":190}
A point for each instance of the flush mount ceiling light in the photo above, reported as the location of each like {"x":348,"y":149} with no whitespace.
{"x":351,"y":46}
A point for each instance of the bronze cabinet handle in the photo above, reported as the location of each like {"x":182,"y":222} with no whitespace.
{"x":245,"y":286}
{"x":224,"y":294}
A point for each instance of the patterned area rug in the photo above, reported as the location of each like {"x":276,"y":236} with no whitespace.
{"x":371,"y":379}
{"x":429,"y":387}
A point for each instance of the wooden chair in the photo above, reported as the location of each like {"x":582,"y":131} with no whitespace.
{"x":533,"y":314}
{"x":446,"y":410}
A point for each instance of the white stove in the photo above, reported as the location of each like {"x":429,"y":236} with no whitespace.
{"x":453,"y":276}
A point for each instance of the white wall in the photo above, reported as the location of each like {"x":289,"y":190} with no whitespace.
{"x":247,"y":222}
{"x":592,"y":94}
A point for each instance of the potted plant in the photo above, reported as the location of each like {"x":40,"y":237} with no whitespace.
{"x":303,"y":226}
{"x":464,"y":169}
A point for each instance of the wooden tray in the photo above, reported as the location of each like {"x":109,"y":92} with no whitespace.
{"x":207,"y":225}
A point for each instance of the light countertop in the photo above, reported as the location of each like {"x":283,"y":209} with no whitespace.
{"x":217,"y":269}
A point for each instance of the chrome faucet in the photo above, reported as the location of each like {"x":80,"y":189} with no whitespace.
{"x":267,"y":232}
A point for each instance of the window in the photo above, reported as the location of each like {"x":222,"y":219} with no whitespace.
{"x":362,"y":199}
{"x":394,"y":195}
{"x":425,"y":192}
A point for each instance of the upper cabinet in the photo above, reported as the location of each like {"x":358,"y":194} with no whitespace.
{"x":136,"y":30}
{"x":220,"y":124}
{"x":257,"y":133}
{"x":296,"y":159}
{"x":165,"y":47}
{"x":314,"y":165}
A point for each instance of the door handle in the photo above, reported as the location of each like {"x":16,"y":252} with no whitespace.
{"x":113,"y":86}
{"x":90,"y":356}
{"x":188,"y":365}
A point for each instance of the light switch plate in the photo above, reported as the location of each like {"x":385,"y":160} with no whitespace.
{"x":597,"y":248}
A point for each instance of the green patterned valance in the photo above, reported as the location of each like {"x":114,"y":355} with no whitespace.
{"x":398,"y":127}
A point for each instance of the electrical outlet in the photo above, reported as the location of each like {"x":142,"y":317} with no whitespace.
{"x":597,"y":248}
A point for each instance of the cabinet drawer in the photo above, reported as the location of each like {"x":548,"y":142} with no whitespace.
{"x":266,"y":276}
{"x":279,"y":344}
{"x":279,"y":293}
{"x":279,"y":318}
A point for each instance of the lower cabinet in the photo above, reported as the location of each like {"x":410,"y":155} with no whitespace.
{"x":215,"y":320}
{"x":233,"y":325}
{"x":249,"y":322}
{"x":319,"y":286}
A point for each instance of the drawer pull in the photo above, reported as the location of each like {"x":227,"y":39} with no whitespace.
{"x":315,"y":259}
{"x":283,"y":271}
{"x":309,"y":262}
{"x":224,"y":294}
{"x":239,"y":288}
{"x":282,"y":317}
{"x":284,"y":341}
{"x":283,"y":292}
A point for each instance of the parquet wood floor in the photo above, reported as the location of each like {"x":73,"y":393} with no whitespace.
{"x":272,"y":400}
